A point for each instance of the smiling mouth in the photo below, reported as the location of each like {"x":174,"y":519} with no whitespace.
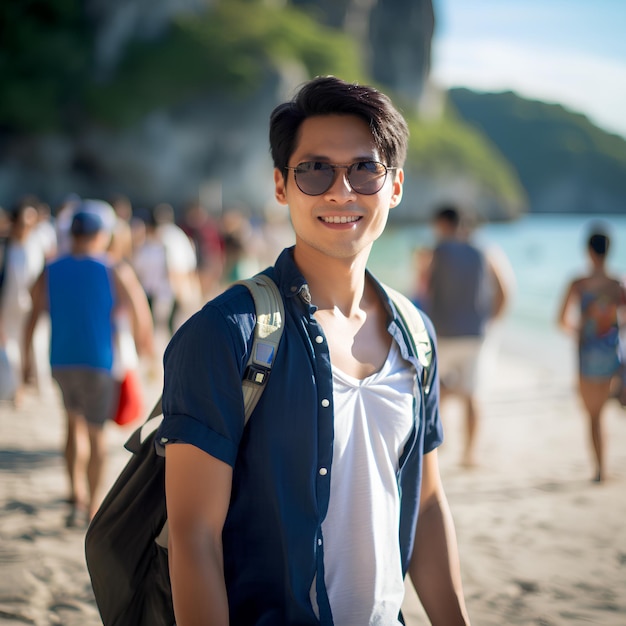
{"x":343,"y":219}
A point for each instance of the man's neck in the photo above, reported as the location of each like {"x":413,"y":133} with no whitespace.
{"x":86,"y":247}
{"x":334,"y":283}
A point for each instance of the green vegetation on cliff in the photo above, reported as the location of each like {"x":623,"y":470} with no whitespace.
{"x":565,"y":162}
{"x":449,"y":147}
{"x":227,"y":51}
{"x":45,"y":49}
{"x":52,"y":79}
{"x":47,"y":73}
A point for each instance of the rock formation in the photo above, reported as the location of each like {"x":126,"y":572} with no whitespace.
{"x":214,"y":146}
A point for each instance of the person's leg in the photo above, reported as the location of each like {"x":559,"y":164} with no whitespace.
{"x":594,"y":394}
{"x":76,"y":453}
{"x":99,"y":399}
{"x":76,"y":441}
{"x":96,"y":465}
{"x":471,"y":426}
{"x":468,"y":383}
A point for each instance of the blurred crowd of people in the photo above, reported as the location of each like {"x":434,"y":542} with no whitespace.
{"x":181,"y":260}
{"x":465,"y":289}
{"x":90,"y":291}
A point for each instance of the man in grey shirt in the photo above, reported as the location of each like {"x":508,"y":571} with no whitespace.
{"x":465,"y":292}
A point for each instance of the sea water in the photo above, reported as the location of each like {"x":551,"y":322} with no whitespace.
{"x":542,"y":254}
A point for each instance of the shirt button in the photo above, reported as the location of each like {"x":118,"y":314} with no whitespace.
{"x":323,"y":471}
{"x":319,"y":542}
{"x":319,"y":339}
{"x":325,"y":403}
{"x":164,"y":439}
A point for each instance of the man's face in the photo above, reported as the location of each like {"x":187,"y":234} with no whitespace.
{"x":339,"y":223}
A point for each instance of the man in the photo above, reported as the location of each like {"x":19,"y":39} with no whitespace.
{"x":315,"y":511}
{"x":465,"y":291}
{"x":83,"y":292}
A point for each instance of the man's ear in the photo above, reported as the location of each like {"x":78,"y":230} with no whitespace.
{"x":280,"y":191}
{"x":398,"y":186}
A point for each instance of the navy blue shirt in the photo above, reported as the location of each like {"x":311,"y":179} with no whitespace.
{"x":282,"y":459}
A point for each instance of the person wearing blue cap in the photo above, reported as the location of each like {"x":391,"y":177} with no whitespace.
{"x":82,"y":291}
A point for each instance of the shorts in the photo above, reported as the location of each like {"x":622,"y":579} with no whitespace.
{"x":458,"y":361}
{"x":88,"y":392}
{"x":598,"y":361}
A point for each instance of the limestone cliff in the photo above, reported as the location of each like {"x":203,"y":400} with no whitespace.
{"x":212,"y":141}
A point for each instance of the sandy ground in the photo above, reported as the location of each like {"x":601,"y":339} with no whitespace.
{"x":540,"y":544}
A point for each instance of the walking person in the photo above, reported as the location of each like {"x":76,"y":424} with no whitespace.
{"x":598,"y":297}
{"x":22,"y":259}
{"x":466,"y":290}
{"x":317,"y":509}
{"x":82,"y":292}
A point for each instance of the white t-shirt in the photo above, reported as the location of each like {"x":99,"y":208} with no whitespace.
{"x":181,"y":257}
{"x":362,"y":562}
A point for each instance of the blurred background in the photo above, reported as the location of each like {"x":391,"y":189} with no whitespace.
{"x":517,"y":114}
{"x":516,"y":111}
{"x":515,"y":107}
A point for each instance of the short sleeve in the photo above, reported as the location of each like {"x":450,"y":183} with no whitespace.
{"x":433,"y":428}
{"x":203,"y":368}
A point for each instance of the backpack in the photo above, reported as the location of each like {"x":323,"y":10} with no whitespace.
{"x":126,"y":542}
{"x":417,"y":334}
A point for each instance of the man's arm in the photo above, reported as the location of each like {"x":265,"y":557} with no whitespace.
{"x":564,"y":320}
{"x":435,"y":569}
{"x":502,"y":275}
{"x":39,"y":304}
{"x":131,"y":293}
{"x":198,"y":488}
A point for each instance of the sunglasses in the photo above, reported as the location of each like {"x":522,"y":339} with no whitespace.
{"x":316,"y":177}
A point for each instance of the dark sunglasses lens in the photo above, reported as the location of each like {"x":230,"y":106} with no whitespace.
{"x":314,"y":178}
{"x":367,"y":177}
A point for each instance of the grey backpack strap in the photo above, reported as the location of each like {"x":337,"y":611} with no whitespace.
{"x":416,"y":329}
{"x":270,"y":316}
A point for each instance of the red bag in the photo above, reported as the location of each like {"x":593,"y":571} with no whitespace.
{"x":130,"y":404}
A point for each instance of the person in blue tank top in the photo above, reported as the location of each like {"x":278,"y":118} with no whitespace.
{"x":599,"y":298}
{"x":82,"y":291}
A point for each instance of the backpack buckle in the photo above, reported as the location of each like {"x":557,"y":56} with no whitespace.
{"x":256,"y":374}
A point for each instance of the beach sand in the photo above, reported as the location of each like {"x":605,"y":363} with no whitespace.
{"x":539,"y":543}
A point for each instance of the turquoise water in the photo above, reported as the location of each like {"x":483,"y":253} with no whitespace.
{"x":544,"y":252}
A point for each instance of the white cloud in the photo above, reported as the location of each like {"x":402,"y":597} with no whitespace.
{"x":585,"y":83}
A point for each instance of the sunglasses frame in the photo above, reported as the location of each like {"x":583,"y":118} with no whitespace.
{"x":335,"y":167}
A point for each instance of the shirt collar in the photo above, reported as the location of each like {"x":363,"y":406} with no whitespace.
{"x":292,"y":282}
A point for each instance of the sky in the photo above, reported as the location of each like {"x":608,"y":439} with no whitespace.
{"x":572,"y":52}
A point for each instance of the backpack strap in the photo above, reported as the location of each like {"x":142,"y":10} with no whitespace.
{"x":268,"y":330}
{"x":270,"y":315}
{"x":416,"y":331}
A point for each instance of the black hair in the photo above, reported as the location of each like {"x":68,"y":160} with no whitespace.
{"x":599,"y":243}
{"x":328,"y":95}
{"x":21,"y":205}
{"x":449,"y":214}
